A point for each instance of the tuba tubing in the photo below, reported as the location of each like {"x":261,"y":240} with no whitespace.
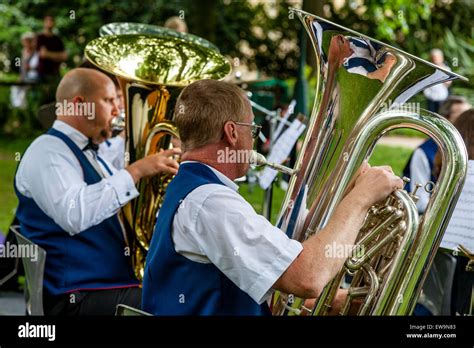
{"x":355,"y":105}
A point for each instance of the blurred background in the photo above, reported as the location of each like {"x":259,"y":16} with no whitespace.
{"x":262,"y":40}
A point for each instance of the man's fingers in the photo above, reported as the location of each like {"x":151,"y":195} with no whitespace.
{"x":386,"y":168}
{"x":173,"y":171}
{"x":171,"y":163}
{"x":171,"y":152}
{"x":170,"y":166}
{"x":399,"y":183}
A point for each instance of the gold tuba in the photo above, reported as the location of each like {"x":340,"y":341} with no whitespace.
{"x":152,"y":70}
{"x":362,"y":90}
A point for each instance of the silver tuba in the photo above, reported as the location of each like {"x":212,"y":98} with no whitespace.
{"x":362,"y":90}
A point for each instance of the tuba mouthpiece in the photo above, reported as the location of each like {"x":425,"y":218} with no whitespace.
{"x":118,"y":123}
{"x":257,"y":159}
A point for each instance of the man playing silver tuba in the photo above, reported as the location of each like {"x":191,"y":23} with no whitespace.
{"x":211,"y":253}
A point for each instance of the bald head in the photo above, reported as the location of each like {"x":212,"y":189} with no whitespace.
{"x":86,"y":99}
{"x":437,"y":56}
{"x":80,"y":82}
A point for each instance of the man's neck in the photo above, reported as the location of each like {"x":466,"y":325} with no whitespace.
{"x":70,"y":121}
{"x":208,"y":155}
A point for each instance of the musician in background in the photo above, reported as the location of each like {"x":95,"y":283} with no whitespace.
{"x":435,"y":299}
{"x":448,"y":286}
{"x":70,"y":199}
{"x":421,"y":163}
{"x":211,"y":253}
{"x":436,"y":95}
{"x":113,"y":149}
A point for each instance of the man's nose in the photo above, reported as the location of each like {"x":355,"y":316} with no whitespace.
{"x":115,"y":108}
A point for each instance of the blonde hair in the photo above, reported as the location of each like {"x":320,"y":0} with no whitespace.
{"x":204,"y":107}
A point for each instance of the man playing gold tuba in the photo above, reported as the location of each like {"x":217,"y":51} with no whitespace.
{"x":70,"y":197}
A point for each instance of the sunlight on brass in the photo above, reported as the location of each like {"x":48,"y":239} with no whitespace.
{"x":356,"y":104}
{"x":124,"y":28}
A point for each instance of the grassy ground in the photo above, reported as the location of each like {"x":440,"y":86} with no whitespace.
{"x":11,"y":149}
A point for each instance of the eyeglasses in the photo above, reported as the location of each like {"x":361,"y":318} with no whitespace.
{"x":256,"y":128}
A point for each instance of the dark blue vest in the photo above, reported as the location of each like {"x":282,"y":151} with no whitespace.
{"x":430,"y":148}
{"x":175,"y":285}
{"x":93,"y":259}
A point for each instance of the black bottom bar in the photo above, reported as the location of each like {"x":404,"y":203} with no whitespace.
{"x":133,"y":331}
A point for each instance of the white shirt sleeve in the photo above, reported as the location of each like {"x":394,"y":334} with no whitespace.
{"x":420,"y":172}
{"x":51,"y":175}
{"x":243,"y":245}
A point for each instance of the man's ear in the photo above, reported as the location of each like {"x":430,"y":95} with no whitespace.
{"x":78,"y":99}
{"x":230,"y":133}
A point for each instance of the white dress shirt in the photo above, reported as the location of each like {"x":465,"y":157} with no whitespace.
{"x":420,"y":172}
{"x":113,"y":150}
{"x":215,"y":224}
{"x":51,"y":175}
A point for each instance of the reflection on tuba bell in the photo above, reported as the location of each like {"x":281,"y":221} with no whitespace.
{"x":152,"y":70}
{"x":362,"y":90}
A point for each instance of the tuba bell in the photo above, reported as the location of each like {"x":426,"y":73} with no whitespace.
{"x":152,"y":70}
{"x":362,"y":90}
{"x":125,"y":28}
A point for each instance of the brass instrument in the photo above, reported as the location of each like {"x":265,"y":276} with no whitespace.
{"x":357,"y":102}
{"x":125,"y":28}
{"x":257,"y":159}
{"x":152,"y":70}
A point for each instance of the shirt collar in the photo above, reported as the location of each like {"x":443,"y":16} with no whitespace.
{"x":225,"y":180}
{"x":77,"y":137}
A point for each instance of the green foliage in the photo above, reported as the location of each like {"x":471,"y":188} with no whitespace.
{"x":251,"y":33}
{"x":19,"y":122}
{"x":259,"y":34}
{"x":258,"y":38}
{"x":13,"y":23}
{"x":460,"y":53}
{"x":386,"y":20}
